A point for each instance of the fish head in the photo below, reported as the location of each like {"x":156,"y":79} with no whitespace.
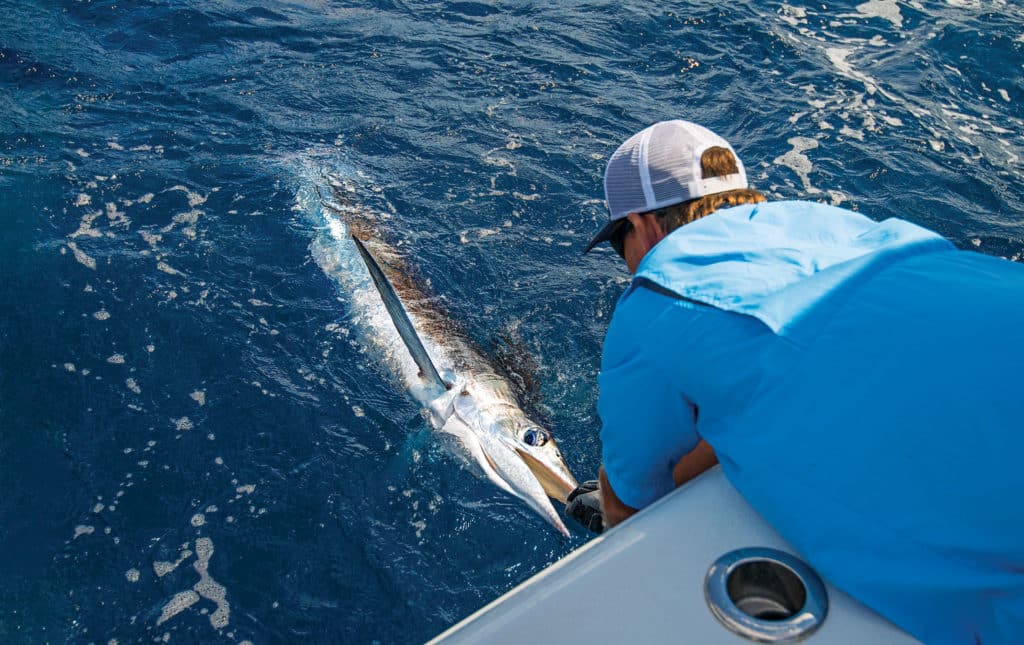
{"x":538,"y":449}
{"x":515,"y":453}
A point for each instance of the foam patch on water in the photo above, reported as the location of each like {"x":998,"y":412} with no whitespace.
{"x":869,"y":105}
{"x":887,"y":9}
{"x":83,"y":529}
{"x":194,"y":198}
{"x":838,"y":57}
{"x":115,"y":217}
{"x":168,"y":269}
{"x":206,"y":588}
{"x":162,"y":568}
{"x":177,"y":604}
{"x":798,"y":162}
{"x":82,"y":257}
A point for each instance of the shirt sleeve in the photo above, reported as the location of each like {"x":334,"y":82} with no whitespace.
{"x":647,"y":424}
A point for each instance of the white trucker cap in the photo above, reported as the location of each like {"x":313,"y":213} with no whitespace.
{"x":658,"y":167}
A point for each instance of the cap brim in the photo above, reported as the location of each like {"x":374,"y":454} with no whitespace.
{"x":605,"y":234}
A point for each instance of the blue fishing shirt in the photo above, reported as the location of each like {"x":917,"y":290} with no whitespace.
{"x":862,"y":384}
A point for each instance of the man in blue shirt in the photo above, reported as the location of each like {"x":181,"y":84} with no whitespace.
{"x":868,"y":369}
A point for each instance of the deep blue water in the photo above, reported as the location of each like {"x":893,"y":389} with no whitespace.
{"x":176,"y":371}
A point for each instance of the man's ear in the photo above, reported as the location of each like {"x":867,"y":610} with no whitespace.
{"x":647,"y":227}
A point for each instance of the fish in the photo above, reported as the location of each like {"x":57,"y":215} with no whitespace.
{"x":460,"y":391}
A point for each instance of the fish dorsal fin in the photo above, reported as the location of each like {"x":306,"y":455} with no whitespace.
{"x":400,"y":318}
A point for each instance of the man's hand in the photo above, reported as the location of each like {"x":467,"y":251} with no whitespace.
{"x":584,"y":506}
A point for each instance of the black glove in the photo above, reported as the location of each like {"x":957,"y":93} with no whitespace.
{"x":584,"y":506}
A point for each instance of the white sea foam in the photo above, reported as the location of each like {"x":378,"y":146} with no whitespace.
{"x":116,"y":217}
{"x":83,"y":258}
{"x":151,"y":238}
{"x":799,"y":162}
{"x":168,"y":269}
{"x":83,"y":529}
{"x":209,"y":588}
{"x":194,"y":199}
{"x":177,"y":604}
{"x":85,"y":228}
{"x":794,"y":16}
{"x":838,"y":57}
{"x":887,"y":9}
{"x":850,"y":132}
{"x":162,"y":568}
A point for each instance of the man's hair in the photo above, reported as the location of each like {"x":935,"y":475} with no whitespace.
{"x":715,"y":162}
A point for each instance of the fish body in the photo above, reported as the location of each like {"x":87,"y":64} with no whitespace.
{"x":462,"y":393}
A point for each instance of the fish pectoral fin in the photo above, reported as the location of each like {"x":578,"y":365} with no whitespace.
{"x":458,"y":428}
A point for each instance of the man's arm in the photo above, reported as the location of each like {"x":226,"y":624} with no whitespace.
{"x":612,"y":508}
{"x":648,"y":424}
{"x":692,"y":464}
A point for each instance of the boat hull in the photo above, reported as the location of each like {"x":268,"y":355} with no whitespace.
{"x":643,"y":582}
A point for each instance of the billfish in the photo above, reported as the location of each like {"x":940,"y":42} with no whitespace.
{"x":461,"y":393}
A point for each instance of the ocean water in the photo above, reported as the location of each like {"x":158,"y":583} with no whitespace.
{"x":195,"y":446}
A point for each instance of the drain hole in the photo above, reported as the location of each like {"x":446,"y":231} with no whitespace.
{"x":766,"y":590}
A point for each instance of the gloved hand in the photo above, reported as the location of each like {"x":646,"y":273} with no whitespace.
{"x":584,"y":506}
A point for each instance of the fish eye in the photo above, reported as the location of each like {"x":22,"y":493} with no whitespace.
{"x":536,"y":437}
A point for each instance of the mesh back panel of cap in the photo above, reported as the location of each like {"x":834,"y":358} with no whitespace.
{"x":621,"y":182}
{"x":669,"y":158}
